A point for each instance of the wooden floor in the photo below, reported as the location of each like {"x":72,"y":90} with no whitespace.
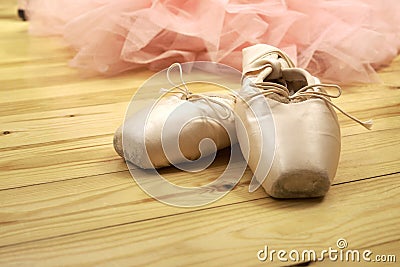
{"x":67,"y":199}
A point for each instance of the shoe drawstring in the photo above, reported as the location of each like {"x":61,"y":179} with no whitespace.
{"x":305,"y":93}
{"x":182,"y":88}
{"x":268,"y":89}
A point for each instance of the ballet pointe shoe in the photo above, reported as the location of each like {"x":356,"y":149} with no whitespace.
{"x":288,"y":133}
{"x":175,"y":129}
{"x":143,"y":143}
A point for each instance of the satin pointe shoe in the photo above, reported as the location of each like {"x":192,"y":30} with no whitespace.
{"x":172,"y":130}
{"x":288,"y":129}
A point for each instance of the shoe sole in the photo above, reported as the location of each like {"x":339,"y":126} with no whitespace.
{"x":300,"y":184}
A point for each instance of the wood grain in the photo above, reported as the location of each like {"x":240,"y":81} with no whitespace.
{"x":231,"y":234}
{"x":66,"y":198}
{"x":79,"y":153}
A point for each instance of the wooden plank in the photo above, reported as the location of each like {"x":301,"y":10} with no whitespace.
{"x":36,"y":80}
{"x":370,"y":154}
{"x":60,"y":161}
{"x":93,"y":202}
{"x":125,"y":192}
{"x":373,"y":153}
{"x":43,"y":127}
{"x":19,"y":48}
{"x":86,"y":93}
{"x":40,"y":88}
{"x":33,"y":127}
{"x":231,"y":234}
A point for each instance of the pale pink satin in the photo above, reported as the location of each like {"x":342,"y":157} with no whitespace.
{"x":336,"y":40}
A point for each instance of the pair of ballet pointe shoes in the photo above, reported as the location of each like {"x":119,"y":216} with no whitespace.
{"x":282,"y":117}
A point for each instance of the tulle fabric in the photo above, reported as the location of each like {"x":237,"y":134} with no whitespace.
{"x":337,"y":40}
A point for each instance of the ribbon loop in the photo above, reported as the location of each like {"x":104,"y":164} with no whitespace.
{"x":189,"y":96}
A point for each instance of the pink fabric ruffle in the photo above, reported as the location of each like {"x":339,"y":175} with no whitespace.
{"x":336,"y":40}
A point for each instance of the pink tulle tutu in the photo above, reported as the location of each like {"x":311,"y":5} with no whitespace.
{"x":336,"y":40}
